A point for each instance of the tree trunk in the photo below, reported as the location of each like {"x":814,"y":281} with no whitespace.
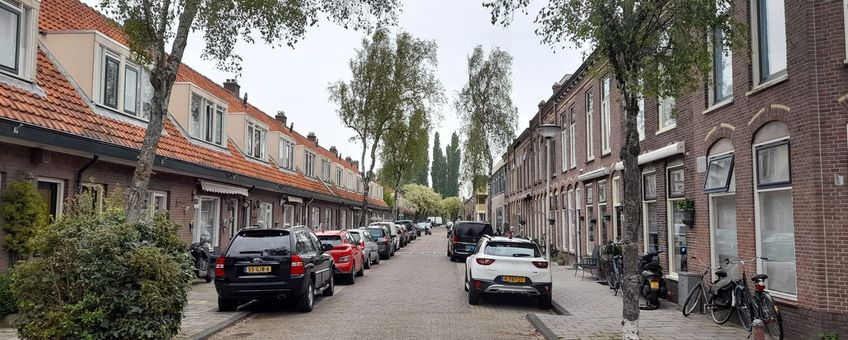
{"x":397,"y":204}
{"x":632,"y":216}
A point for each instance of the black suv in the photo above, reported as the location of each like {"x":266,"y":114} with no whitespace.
{"x":276,"y":263}
{"x":462,"y":239}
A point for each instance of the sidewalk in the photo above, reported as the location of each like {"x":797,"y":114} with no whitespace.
{"x":592,"y":312}
{"x":200,"y":319}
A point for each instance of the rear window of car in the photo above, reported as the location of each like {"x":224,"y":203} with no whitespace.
{"x":473,"y":229}
{"x":264,"y":242}
{"x":512,"y":249}
{"x":330,"y":239}
{"x":356,"y":237}
{"x":375,"y":233}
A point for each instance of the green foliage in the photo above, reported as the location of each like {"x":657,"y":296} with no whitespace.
{"x":8,"y":303}
{"x":685,"y":204}
{"x":98,"y":277}
{"x":404,"y":149}
{"x":23,"y":213}
{"x":423,"y":176}
{"x":439,"y":168}
{"x":452,"y":207}
{"x":388,"y":196}
{"x":454,"y":157}
{"x":832,"y":335}
{"x":422,"y":199}
{"x":486,"y":110}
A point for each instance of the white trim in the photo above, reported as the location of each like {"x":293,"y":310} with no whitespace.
{"x":600,"y":172}
{"x":727,"y":101}
{"x":60,"y":192}
{"x":768,"y":84}
{"x":655,"y":155}
{"x":755,"y":48}
{"x":590,"y":133}
{"x":216,"y":227}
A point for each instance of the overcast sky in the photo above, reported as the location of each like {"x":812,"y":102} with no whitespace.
{"x":296,"y":80}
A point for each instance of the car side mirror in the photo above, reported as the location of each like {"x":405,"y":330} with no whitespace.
{"x":326,"y":247}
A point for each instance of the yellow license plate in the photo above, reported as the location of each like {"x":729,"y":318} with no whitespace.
{"x":655,"y":285}
{"x":514,"y":279}
{"x":257,"y":269}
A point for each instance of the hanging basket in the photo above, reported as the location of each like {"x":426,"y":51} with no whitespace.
{"x":689,"y":218}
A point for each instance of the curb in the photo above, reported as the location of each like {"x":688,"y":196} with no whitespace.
{"x":540,"y":327}
{"x":559,"y":309}
{"x":211,"y":330}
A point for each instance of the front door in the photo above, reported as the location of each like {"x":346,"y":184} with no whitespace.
{"x":51,"y":193}
{"x":206,"y":220}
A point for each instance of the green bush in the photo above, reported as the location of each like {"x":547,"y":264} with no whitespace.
{"x":23,"y":212}
{"x":7,"y":299}
{"x":98,"y":277}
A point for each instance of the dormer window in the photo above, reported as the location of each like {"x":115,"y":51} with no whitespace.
{"x":325,"y":170}
{"x":17,"y":55}
{"x":256,"y":140}
{"x":124,"y":87}
{"x":338,"y":176}
{"x":286,"y":154}
{"x":309,"y":163}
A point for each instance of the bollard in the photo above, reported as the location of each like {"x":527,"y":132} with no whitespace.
{"x":758,"y":330}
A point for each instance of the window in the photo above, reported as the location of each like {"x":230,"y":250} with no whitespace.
{"x":157,"y":201}
{"x":309,"y":163}
{"x":52,"y":191}
{"x":616,"y":206}
{"x":325,"y":170}
{"x":314,"y":218}
{"x":563,"y":134}
{"x":111,"y":70}
{"x":773,"y":165}
{"x":719,"y":173}
{"x":207,"y":220}
{"x":131,"y":90}
{"x":722,"y":73}
{"x":286,"y":154}
{"x":602,"y":192}
{"x":571,"y":219}
{"x":207,"y":121}
{"x":665,"y":107}
{"x":16,"y":30}
{"x":96,"y":193}
{"x":590,"y":147}
{"x":605,"y":116}
{"x":338,"y":176}
{"x":649,"y":211}
{"x":676,"y":182}
{"x":266,"y":215}
{"x":572,"y":139}
{"x":845,"y":13}
{"x":640,"y":118}
{"x":256,"y":140}
{"x":769,"y":38}
{"x":591,"y":220}
{"x":677,"y":230}
{"x":649,"y":186}
{"x":288,"y":215}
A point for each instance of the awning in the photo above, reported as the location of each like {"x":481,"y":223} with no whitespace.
{"x":220,"y":188}
{"x":292,"y":199}
{"x":663,"y":152}
{"x":593,"y":174}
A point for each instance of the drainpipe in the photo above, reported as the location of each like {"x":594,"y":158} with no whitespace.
{"x":308,"y":212}
{"x":82,"y":170}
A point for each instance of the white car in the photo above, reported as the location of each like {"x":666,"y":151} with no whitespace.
{"x":504,"y":265}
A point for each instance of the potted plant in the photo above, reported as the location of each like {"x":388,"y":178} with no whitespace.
{"x":688,"y":207}
{"x":561,"y":259}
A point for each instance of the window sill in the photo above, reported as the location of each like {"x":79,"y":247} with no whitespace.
{"x":606,"y":153}
{"x":718,"y":105}
{"x":784,"y":299}
{"x":663,"y":130}
{"x":772,"y":82}
{"x":671,"y":277}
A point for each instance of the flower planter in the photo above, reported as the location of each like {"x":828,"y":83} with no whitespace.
{"x":689,"y":218}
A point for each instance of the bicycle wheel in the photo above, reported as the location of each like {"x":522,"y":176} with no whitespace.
{"x":720,"y":314}
{"x":744,"y":308}
{"x":771,"y":317}
{"x":693,"y":300}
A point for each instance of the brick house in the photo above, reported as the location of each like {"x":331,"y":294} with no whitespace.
{"x":763,"y":152}
{"x":73,"y":113}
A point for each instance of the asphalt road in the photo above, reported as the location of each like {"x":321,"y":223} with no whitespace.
{"x":418,"y":294}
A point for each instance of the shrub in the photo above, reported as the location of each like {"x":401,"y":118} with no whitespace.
{"x":23,"y":213}
{"x":7,"y":299}
{"x":98,"y":277}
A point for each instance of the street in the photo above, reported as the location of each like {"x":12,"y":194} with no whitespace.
{"x":417,"y":294}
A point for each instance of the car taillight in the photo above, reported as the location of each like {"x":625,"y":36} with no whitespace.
{"x":344,"y":259}
{"x":485,"y":262}
{"x":455,"y":238}
{"x":296,"y":265}
{"x":219,"y":267}
{"x":541,"y":264}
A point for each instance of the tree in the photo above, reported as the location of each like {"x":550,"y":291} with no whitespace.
{"x":404,"y":151}
{"x":391,"y":80}
{"x":150,"y":24}
{"x":24,"y":213}
{"x":454,"y":157}
{"x":452,"y":207}
{"x":486,"y":111}
{"x":422,"y":199}
{"x":423,"y":176}
{"x":651,"y":48}
{"x":438,"y":171}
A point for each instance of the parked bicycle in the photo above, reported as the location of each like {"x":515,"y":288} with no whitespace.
{"x":715,"y":296}
{"x":612,"y":266}
{"x":757,"y":305}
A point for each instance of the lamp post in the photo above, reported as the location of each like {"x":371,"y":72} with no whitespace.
{"x":549,"y":131}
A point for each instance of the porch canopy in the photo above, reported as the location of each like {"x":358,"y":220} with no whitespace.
{"x":221,"y":188}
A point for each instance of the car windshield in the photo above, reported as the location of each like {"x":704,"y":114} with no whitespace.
{"x":265,"y":243}
{"x":511,"y":249}
{"x":356,"y":237}
{"x":332,"y":240}
{"x":375,"y":233}
{"x":473,"y":229}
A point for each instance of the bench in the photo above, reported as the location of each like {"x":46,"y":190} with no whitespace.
{"x":592,"y":263}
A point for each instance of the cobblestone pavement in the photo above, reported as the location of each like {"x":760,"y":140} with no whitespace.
{"x":417,"y":294}
{"x":596,"y":314}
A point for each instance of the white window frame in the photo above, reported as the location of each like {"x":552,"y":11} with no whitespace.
{"x":616,"y":202}
{"x":151,"y":200}
{"x":142,"y":74}
{"x":571,"y":221}
{"x":645,"y":202}
{"x":564,"y":147}
{"x":326,"y":169}
{"x":572,"y":143}
{"x":25,"y":51}
{"x":286,"y":154}
{"x":670,"y":203}
{"x":288,"y":215}
{"x":60,"y":193}
{"x":99,"y":194}
{"x":216,"y":227}
{"x":666,"y":104}
{"x":338,"y":177}
{"x":137,"y":86}
{"x":606,"y":89}
{"x":590,"y":145}
{"x":250,"y":130}
{"x":756,"y":57}
{"x":308,"y":163}
{"x":640,"y":117}
{"x":714,"y":71}
{"x":266,"y":214}
{"x":204,"y":124}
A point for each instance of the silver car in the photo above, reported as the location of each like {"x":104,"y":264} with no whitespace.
{"x":369,"y":248}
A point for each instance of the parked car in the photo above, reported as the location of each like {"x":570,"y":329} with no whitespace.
{"x":413,"y":231}
{"x":382,"y":237}
{"x":403,"y":234}
{"x":367,"y":245}
{"x":462,"y":239}
{"x":289,"y":263}
{"x":424,"y":227}
{"x":394,"y":235}
{"x":349,"y":259}
{"x":506,"y":265}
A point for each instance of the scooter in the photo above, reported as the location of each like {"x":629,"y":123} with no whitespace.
{"x":201,"y":252}
{"x":653,"y":283}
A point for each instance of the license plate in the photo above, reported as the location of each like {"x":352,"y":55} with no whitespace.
{"x":469,"y":248}
{"x":514,"y":279}
{"x":655,"y":285}
{"x":257,"y":269}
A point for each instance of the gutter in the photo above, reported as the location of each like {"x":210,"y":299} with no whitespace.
{"x":82,"y":170}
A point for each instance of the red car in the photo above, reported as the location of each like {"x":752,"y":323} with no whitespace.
{"x":347,"y":255}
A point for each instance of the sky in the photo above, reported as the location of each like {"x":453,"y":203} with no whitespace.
{"x":296,"y":80}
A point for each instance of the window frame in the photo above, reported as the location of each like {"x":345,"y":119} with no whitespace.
{"x":563,"y":134}
{"x":662,"y":127}
{"x":136,"y":86}
{"x":216,"y":228}
{"x":606,"y":116}
{"x":19,"y":15}
{"x":640,"y":117}
{"x":715,"y":101}
{"x":151,"y":203}
{"x":726,"y":186}
{"x":99,"y":194}
{"x":308,"y":163}
{"x":60,"y":193}
{"x":645,"y":220}
{"x":251,"y":142}
{"x":286,"y":153}
{"x":590,"y":144}
{"x":107,"y":57}
{"x":217,"y":137}
{"x":757,"y":56}
{"x":669,"y":170}
{"x":845,"y":26}
{"x":769,"y":145}
{"x":671,"y":201}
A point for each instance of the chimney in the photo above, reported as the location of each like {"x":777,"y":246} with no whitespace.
{"x":334,"y":150}
{"x":281,"y":117}
{"x":291,"y":127}
{"x":312,"y":138}
{"x":555,"y":87}
{"x":349,"y":160}
{"x":355,"y":165}
{"x":232,"y":86}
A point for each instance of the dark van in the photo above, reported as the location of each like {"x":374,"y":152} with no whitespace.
{"x":462,"y":239}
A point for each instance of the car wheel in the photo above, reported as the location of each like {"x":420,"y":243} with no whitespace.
{"x":227,"y":305}
{"x":332,"y":286}
{"x":377,"y":259}
{"x":545,"y":301}
{"x":208,"y":277}
{"x":368,"y":262}
{"x":351,"y":279}
{"x":361,"y":271}
{"x":306,"y":300}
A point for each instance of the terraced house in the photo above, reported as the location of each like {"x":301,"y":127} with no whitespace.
{"x":761,"y":149}
{"x":73,"y":109}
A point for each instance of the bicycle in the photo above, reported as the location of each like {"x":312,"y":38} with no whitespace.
{"x":720,"y":309}
{"x":616,"y":274}
{"x":759,"y":305}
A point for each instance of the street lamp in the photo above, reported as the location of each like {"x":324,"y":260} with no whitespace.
{"x":549,"y":131}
